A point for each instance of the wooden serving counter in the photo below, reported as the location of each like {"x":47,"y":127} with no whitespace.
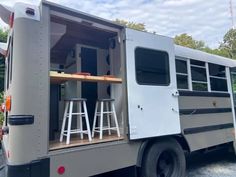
{"x":56,"y":77}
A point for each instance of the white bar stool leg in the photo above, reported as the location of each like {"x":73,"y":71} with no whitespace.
{"x":101,"y":122}
{"x":64,"y":121}
{"x":108,"y":118}
{"x":95,"y":119}
{"x":115,"y":117}
{"x":80,"y":121}
{"x":87,"y":121}
{"x":69,"y":123}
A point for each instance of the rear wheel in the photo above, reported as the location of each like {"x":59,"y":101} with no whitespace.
{"x":164,"y":159}
{"x":232,"y":148}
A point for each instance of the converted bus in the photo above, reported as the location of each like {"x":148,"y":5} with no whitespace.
{"x":166,"y":100}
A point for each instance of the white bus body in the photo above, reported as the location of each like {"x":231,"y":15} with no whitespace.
{"x":168,"y":99}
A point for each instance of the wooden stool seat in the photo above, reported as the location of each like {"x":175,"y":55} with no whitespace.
{"x":105,"y":100}
{"x":75,"y":99}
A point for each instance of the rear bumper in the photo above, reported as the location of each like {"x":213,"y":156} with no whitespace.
{"x":36,"y":168}
{"x":39,"y":168}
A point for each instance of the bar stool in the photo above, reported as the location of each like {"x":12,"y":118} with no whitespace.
{"x":69,"y":114}
{"x":109,"y":111}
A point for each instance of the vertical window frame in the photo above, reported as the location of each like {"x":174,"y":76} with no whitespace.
{"x":8,"y":63}
{"x":218,"y":77}
{"x":187,"y":74}
{"x":195,"y":81}
{"x":11,"y":59}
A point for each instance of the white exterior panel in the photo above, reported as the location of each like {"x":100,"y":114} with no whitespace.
{"x":153,"y":110}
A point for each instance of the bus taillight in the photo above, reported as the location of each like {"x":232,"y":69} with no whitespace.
{"x":8,"y":103}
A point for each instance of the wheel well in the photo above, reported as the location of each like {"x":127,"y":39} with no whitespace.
{"x":183,"y":142}
{"x":149,"y":142}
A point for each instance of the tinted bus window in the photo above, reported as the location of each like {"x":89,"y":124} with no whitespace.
{"x":152,"y":67}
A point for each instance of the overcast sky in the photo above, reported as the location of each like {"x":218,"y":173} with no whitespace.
{"x":206,"y":20}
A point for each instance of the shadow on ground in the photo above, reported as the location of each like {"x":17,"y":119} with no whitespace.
{"x":219,"y":163}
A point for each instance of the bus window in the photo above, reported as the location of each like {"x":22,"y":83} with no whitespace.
{"x":8,"y":67}
{"x":11,"y":60}
{"x":9,"y":63}
{"x":217,"y":78}
{"x":199,"y":77}
{"x":152,"y":67}
{"x":233,"y":81}
{"x":181,"y":74}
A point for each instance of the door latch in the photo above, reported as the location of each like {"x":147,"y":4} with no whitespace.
{"x":175,"y":93}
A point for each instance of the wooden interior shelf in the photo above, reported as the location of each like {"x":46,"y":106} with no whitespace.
{"x":62,"y":77}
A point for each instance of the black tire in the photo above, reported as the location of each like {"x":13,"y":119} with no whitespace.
{"x":164,"y":159}
{"x":232,"y":149}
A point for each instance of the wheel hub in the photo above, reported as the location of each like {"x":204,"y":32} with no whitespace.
{"x":165,"y":164}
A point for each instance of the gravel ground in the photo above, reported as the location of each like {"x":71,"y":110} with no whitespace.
{"x":1,"y":163}
{"x":218,"y":163}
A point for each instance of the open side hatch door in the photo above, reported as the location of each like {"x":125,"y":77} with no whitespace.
{"x":151,"y":85}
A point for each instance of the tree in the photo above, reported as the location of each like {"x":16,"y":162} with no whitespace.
{"x":219,"y":51}
{"x":2,"y":71}
{"x":3,"y":38}
{"x":3,"y":35}
{"x":229,"y":43}
{"x":1,"y":114}
{"x":188,"y":41}
{"x":132,"y":25}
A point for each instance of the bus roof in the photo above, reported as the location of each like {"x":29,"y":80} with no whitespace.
{"x":185,"y":52}
{"x":79,"y":14}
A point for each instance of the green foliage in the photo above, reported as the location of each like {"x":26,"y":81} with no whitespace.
{"x":3,"y":35}
{"x":229,"y":43}
{"x":3,"y":38}
{"x":220,"y":51}
{"x":188,"y":41}
{"x":233,"y":78}
{"x":2,"y":73}
{"x":132,"y":25}
{"x":1,"y":114}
